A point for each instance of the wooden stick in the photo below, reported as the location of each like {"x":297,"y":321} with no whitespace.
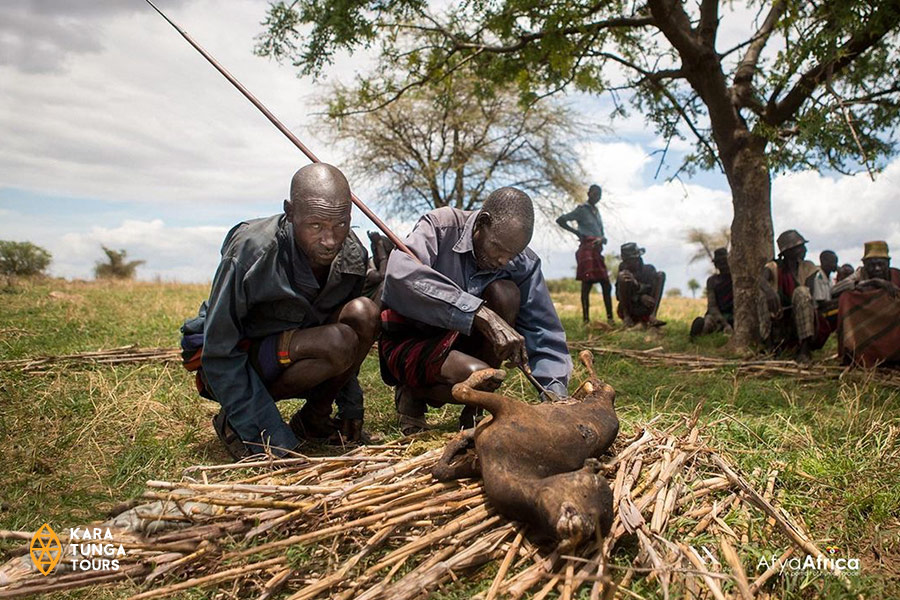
{"x":504,"y":566}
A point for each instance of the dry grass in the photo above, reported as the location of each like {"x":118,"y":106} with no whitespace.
{"x":77,"y":440}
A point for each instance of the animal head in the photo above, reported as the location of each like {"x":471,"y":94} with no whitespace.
{"x":576,"y":506}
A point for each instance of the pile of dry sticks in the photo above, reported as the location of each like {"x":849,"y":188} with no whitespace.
{"x":113,"y":356}
{"x":373,"y":524}
{"x":695,"y":363}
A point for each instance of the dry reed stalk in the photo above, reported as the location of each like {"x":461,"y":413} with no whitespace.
{"x":717,"y":507}
{"x":213,"y":578}
{"x":244,"y":488}
{"x":711,"y":584}
{"x":275,"y":583}
{"x":338,"y":576}
{"x":56,"y":584}
{"x":229,"y":501}
{"x":504,"y":566}
{"x":740,"y":576}
{"x":775,"y":567}
{"x":399,"y":515}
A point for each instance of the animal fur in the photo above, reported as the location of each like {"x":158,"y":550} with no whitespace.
{"x":539,"y":461}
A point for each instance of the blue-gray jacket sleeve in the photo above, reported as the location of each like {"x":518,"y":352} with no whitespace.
{"x":545,"y":338}
{"x":418,"y":291}
{"x":235,"y":384}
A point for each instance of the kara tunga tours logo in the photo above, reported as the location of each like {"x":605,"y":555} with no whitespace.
{"x":89,"y":549}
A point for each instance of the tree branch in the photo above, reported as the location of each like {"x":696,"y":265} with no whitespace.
{"x":709,"y":22}
{"x":870,"y":33}
{"x":743,"y":75}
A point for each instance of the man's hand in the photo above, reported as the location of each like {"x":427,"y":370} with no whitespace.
{"x":883,"y":284}
{"x":627,"y":277}
{"x":508,"y":343}
{"x":772,"y":302}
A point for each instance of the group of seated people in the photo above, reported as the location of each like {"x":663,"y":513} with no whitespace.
{"x":800,"y":304}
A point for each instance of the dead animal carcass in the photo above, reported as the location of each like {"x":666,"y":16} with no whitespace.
{"x":539,"y":461}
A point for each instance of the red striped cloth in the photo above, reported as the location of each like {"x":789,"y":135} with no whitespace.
{"x":591,"y":265}
{"x":411,"y":353}
{"x":869,"y":327}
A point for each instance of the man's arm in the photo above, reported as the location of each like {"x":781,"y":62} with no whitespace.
{"x":419,"y":292}
{"x":545,"y":338}
{"x":234,"y":383}
{"x":563,"y":221}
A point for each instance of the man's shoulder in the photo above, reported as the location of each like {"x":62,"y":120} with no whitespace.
{"x":249,"y":239}
{"x":447,"y":216}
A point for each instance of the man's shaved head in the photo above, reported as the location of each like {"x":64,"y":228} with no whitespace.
{"x":504,"y":227}
{"x":319,"y":212}
{"x":322,"y":182}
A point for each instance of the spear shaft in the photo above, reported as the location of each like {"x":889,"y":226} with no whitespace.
{"x":281,"y":127}
{"x":309,"y":154}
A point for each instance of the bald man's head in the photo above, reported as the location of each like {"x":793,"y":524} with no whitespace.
{"x":319,"y":210}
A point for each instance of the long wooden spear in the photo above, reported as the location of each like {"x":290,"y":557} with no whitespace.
{"x":281,"y":127}
{"x":309,"y":154}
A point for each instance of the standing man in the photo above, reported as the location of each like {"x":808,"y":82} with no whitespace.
{"x":719,"y":299}
{"x":589,"y":256}
{"x":639,"y":288}
{"x":791,"y":289}
{"x":285,"y":319}
{"x":476,"y":299}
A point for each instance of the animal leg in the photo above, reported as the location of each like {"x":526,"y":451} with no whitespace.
{"x":468,"y":391}
{"x":459,"y":459}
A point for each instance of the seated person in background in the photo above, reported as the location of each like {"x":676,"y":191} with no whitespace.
{"x":828,"y":263}
{"x":790,"y":290}
{"x":719,"y":299}
{"x":284,"y":320}
{"x":476,"y":299}
{"x":845,"y":271}
{"x":639,"y":288}
{"x":591,"y":267}
{"x":869,"y":310}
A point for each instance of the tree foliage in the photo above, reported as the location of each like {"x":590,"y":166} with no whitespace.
{"x":115,"y":266}
{"x":453,"y":142}
{"x":693,"y":285}
{"x":707,"y":242}
{"x":757,"y":87}
{"x":22,"y":259}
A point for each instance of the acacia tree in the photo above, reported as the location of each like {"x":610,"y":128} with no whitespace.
{"x":450,"y":143}
{"x":707,"y":242}
{"x":805,"y":84}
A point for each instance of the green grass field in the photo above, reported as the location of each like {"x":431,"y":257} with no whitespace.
{"x":78,"y":441}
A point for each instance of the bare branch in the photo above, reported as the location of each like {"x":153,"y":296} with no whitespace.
{"x":743,"y":76}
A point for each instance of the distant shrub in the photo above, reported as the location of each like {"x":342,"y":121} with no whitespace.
{"x":116,"y":267}
{"x":22,"y":258}
{"x":564,"y":284}
{"x":673,"y":293}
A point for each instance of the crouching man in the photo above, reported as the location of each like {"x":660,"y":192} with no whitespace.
{"x":285,"y":319}
{"x":476,"y":299}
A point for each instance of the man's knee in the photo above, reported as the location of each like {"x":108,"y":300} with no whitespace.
{"x":361,"y":315}
{"x":503,"y":297}
{"x":339,"y":344}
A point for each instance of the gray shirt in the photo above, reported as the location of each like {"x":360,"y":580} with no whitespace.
{"x":444,"y":290}
{"x":264,"y":285}
{"x":588,"y":218}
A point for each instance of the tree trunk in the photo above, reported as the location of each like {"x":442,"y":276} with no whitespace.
{"x":751,"y":235}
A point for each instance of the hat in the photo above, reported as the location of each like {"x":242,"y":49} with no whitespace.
{"x":631,"y":250}
{"x":593,"y":187}
{"x":720,"y":253}
{"x":876,"y":249}
{"x":790,"y":239}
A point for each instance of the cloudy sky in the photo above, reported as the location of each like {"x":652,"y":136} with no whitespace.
{"x":116,"y":132}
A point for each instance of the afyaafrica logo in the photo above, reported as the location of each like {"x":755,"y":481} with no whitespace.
{"x":88,"y":549}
